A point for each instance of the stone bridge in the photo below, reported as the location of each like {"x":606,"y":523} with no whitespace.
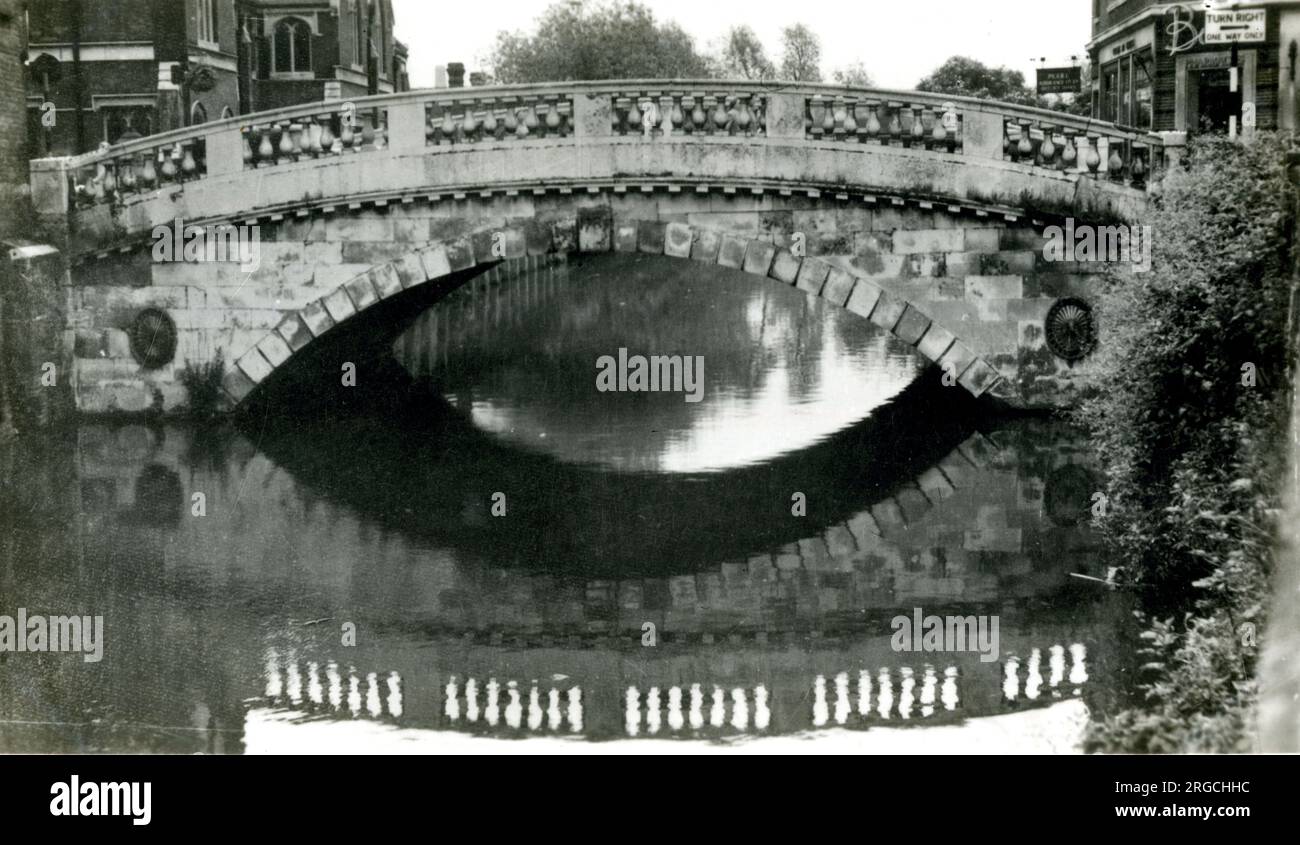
{"x":924,"y":214}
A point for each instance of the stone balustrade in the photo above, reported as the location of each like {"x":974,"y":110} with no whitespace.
{"x":582,"y":112}
{"x":516,"y":117}
{"x":135,"y":168}
{"x":324,"y":132}
{"x":1069,"y":143}
{"x":854,"y":118}
{"x":694,"y":111}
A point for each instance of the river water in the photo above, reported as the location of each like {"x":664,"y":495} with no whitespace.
{"x":488,"y":546}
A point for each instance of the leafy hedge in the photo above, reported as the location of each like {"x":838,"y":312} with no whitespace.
{"x":1193,"y":455}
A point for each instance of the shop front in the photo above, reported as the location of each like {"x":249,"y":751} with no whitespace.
{"x":1182,"y":67}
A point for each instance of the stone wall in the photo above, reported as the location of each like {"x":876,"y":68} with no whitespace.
{"x":981,"y":279}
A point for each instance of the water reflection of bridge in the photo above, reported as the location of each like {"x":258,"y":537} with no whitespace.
{"x":616,"y":694}
{"x":192,"y":605}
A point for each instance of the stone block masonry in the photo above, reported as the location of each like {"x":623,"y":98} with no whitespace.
{"x":919,"y":273}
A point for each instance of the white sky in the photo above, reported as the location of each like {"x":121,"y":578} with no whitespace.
{"x":899,"y":41}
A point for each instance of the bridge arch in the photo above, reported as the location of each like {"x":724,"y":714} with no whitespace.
{"x":907,"y":189}
{"x":485,"y":248}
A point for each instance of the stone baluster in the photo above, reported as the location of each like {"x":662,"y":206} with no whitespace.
{"x":149,"y":173}
{"x":744,"y":115}
{"x":939,"y":134}
{"x":128,"y":178}
{"x":1138,"y":166}
{"x":816,"y":111}
{"x":510,"y":120}
{"x":326,"y":138}
{"x":632,"y":117}
{"x":169,"y":167}
{"x":952,"y":125}
{"x":665,"y":118}
{"x":1070,"y":151}
{"x":347,"y":135}
{"x":721,"y":120}
{"x":1091,"y":157}
{"x":839,"y":114}
{"x":553,"y":121}
{"x":1025,"y":146}
{"x":916,"y":131}
{"x":693,"y":114}
{"x":1036,"y":138}
{"x":1115,"y":163}
{"x":873,"y":120}
{"x":895,"y":122}
{"x":1048,"y":149}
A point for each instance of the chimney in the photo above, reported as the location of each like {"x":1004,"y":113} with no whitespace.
{"x":455,"y":75}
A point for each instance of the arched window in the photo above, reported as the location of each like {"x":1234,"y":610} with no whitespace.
{"x":226,"y":112}
{"x":291,"y":46}
{"x":198,"y":114}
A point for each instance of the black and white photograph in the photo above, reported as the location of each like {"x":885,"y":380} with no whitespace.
{"x":649,"y":377}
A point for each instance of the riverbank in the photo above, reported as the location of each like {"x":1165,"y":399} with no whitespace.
{"x":1189,"y":415}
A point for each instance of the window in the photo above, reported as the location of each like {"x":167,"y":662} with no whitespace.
{"x":359,"y":35}
{"x":123,"y":123}
{"x":1126,"y":90}
{"x":207,"y":21}
{"x":378,"y":37}
{"x":198,"y":114}
{"x":291,"y":46}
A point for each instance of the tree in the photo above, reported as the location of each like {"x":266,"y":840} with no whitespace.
{"x":580,"y":39}
{"x":855,"y":75}
{"x":802,"y":56}
{"x":743,"y":56}
{"x":962,"y":76}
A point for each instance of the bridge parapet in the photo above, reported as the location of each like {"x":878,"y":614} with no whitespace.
{"x":810,"y":135}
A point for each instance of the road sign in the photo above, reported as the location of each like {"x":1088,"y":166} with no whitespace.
{"x":1059,"y":80}
{"x":1228,"y":27}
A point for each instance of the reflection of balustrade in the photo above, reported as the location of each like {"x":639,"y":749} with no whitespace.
{"x":507,"y":117}
{"x":935,"y":694}
{"x":462,"y":706}
{"x":927,"y":125}
{"x":1059,"y":673}
{"x":692,"y":112}
{"x":295,"y":683}
{"x":332,"y":132}
{"x":686,"y":707}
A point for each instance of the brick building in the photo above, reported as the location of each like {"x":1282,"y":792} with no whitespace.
{"x":114,"y":67}
{"x":1195,"y":66}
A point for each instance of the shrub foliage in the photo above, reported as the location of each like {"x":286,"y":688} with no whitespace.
{"x":1188,"y":415}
